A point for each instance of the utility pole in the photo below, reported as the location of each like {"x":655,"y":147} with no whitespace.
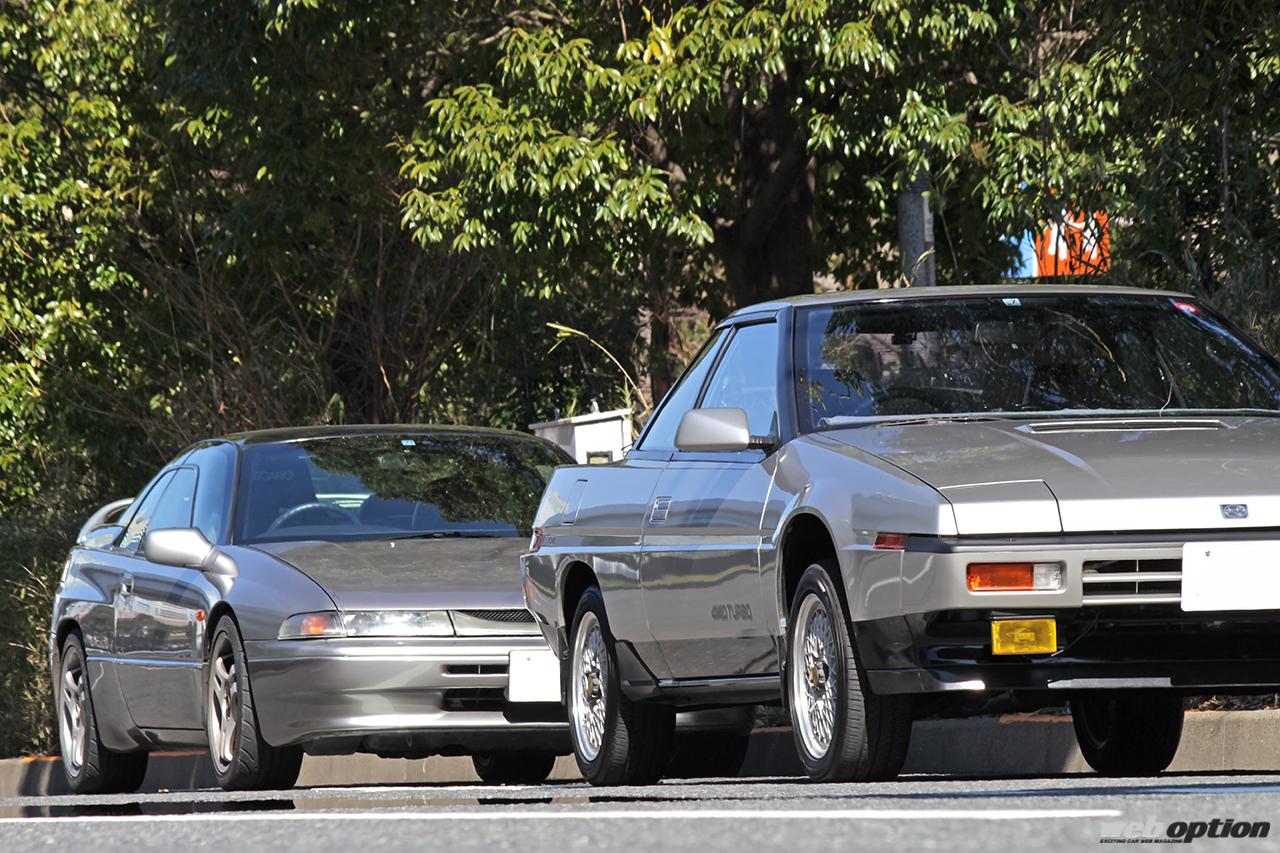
{"x":915,"y":233}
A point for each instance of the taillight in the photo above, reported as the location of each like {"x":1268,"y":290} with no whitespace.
{"x":535,"y":541}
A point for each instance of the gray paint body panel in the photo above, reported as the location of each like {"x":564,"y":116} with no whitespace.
{"x":146,"y":642}
{"x":1006,"y":482}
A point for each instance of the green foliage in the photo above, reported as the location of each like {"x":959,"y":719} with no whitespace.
{"x":68,"y":176}
{"x":217,"y":215}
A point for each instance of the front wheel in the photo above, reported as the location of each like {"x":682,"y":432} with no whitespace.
{"x":615,"y":741}
{"x":1128,"y":732}
{"x":89,"y":766}
{"x":242,"y":760}
{"x":844,"y":732}
{"x":529,"y":767}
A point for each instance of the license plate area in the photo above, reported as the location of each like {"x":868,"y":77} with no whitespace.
{"x":533,"y":676}
{"x":1230,"y":576}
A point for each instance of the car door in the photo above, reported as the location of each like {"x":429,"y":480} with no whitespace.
{"x":700,"y":569}
{"x":610,"y":504}
{"x":159,"y":618}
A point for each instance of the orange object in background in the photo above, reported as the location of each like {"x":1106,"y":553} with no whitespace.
{"x":1076,"y":244}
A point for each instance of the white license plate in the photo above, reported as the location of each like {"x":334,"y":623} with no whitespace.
{"x":533,"y":676}
{"x":1231,"y":576}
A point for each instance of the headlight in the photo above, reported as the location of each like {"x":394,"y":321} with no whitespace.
{"x":302,"y":626}
{"x":398,"y":623}
{"x":368,"y":623}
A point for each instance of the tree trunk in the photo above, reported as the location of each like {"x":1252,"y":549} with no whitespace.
{"x":354,"y":374}
{"x":768,"y":249}
{"x":915,"y":233}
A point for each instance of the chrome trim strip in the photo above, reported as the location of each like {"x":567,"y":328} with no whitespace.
{"x":144,"y":661}
{"x":1091,"y":576}
{"x":1094,"y":683}
{"x":750,"y":680}
{"x":1135,"y":598}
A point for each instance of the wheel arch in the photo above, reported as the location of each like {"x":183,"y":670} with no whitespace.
{"x":575,"y":579}
{"x":67,"y":626}
{"x":806,"y":539}
{"x":220,"y":609}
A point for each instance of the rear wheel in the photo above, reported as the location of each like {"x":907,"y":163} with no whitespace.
{"x":89,"y":766}
{"x":615,"y":741}
{"x":242,"y":760}
{"x":1128,"y":732}
{"x":528,"y":767}
{"x":844,"y":732}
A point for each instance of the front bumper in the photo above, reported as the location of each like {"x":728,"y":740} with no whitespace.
{"x":1152,"y":646}
{"x":1119,"y":619}
{"x":409,"y":697}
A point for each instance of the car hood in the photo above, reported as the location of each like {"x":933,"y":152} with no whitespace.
{"x":412,"y":574}
{"x":1090,"y":474}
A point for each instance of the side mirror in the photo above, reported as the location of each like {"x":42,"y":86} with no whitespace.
{"x":186,"y":548}
{"x":101,"y":537}
{"x":712,"y":430}
{"x":104,"y":516}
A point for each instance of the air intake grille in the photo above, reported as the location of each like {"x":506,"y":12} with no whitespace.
{"x":474,"y":699}
{"x":508,"y":616}
{"x":1133,"y":581}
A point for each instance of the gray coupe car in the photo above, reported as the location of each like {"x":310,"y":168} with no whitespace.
{"x":884,"y":504}
{"x":333,"y":590}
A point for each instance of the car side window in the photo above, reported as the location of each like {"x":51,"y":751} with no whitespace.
{"x":216,"y":464}
{"x":174,"y":508}
{"x":747,"y":377}
{"x":141,"y":517}
{"x":661,"y":434}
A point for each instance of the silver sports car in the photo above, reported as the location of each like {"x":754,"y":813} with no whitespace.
{"x":945,"y":500}
{"x":332,"y":590}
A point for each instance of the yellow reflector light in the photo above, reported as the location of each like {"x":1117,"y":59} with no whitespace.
{"x":1024,"y":636}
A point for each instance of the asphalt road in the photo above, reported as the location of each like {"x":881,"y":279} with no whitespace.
{"x":738,"y":816}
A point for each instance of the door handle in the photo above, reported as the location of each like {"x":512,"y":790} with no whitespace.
{"x":126,"y":584}
{"x":661,"y":507}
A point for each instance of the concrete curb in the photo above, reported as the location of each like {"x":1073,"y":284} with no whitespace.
{"x":1012,"y":745}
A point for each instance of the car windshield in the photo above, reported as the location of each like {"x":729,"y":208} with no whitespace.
{"x":868,"y":362}
{"x":391,"y":486}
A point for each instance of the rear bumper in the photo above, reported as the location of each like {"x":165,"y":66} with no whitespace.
{"x":1149,"y":645}
{"x":398,"y":697}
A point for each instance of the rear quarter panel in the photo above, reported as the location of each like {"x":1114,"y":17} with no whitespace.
{"x":593,"y":515}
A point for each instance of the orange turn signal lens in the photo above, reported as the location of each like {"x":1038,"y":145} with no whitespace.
{"x":303,"y":625}
{"x":1011,"y":577}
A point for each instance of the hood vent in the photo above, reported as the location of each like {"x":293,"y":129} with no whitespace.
{"x":1123,"y":425}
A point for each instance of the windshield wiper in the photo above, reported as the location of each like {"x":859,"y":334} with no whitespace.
{"x":455,"y":534}
{"x":908,"y":420}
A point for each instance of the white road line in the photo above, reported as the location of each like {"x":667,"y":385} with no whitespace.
{"x":579,"y":814}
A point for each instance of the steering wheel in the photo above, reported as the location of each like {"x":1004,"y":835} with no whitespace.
{"x":937,"y":401}
{"x":289,"y":517}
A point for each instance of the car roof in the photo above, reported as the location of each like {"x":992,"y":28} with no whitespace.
{"x":268,"y":436}
{"x":953,"y":290}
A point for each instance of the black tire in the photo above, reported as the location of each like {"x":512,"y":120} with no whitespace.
{"x":1128,"y":732}
{"x":708,"y":755}
{"x":634,"y":739}
{"x":868,"y":733}
{"x":90,"y":768}
{"x":529,"y":767}
{"x":248,"y":763}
